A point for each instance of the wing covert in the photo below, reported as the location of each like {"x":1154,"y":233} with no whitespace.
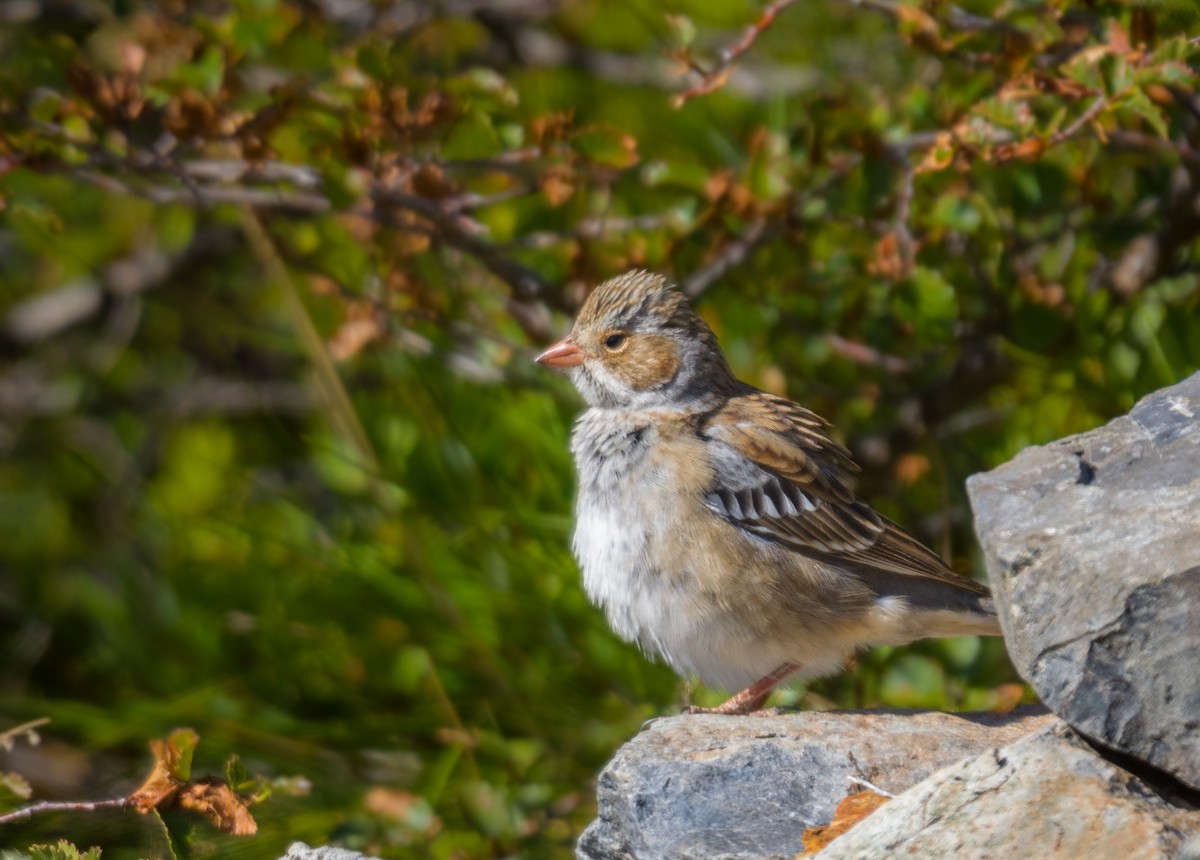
{"x":779,"y":476}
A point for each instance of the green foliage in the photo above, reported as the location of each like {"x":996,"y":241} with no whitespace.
{"x":62,"y":850}
{"x":274,"y":462}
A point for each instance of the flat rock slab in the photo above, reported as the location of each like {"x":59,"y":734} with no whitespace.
{"x":300,"y":851}
{"x":747,"y":787}
{"x":1092,"y":546}
{"x":1047,"y":795}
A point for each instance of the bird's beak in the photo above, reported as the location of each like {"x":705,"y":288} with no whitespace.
{"x":563,"y":354}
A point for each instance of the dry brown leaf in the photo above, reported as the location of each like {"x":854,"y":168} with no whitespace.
{"x":939,"y":156}
{"x":921,"y":20}
{"x":910,"y":468}
{"x":217,"y":802}
{"x":717,"y":184}
{"x":161,"y":785}
{"x":556,"y":186}
{"x":430,"y":182}
{"x":1008,"y":696}
{"x":887,"y":260}
{"x":191,"y":115}
{"x":1118,"y":39}
{"x":1159,"y":94}
{"x":552,"y":127}
{"x":1029,"y":149}
{"x":853,"y":809}
{"x":393,"y":803}
{"x":1064,"y":87}
{"x":353,"y":336}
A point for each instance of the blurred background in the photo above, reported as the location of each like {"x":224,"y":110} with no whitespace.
{"x":275,"y":463}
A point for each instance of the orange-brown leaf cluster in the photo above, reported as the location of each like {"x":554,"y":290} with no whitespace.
{"x":850,"y":811}
{"x":166,"y":788}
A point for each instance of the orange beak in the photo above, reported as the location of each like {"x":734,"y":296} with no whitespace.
{"x":563,"y":354}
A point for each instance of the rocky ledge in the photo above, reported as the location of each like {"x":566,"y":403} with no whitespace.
{"x":723,"y":787}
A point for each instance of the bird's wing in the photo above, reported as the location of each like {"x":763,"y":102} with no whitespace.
{"x":779,"y":476}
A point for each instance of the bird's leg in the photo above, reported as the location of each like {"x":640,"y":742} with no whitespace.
{"x":751,"y":698}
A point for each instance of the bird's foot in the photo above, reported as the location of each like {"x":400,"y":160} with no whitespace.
{"x":733,"y":712}
{"x":749,"y":701}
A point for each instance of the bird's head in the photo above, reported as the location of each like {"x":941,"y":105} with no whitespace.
{"x":637,"y":343}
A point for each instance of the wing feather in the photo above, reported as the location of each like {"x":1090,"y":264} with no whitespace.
{"x":779,"y":476}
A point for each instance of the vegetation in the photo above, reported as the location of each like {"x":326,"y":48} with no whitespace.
{"x":275,"y":463}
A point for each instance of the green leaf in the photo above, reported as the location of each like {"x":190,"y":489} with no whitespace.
{"x":606,"y":145}
{"x":483,"y":89}
{"x":473,"y":136}
{"x":1178,"y":49}
{"x":1115,"y":72}
{"x":1146,"y":320}
{"x":767,"y":175}
{"x":373,"y":60}
{"x":957,"y":214}
{"x":685,"y":175}
{"x":1139,"y":103}
{"x":929,"y":303}
{"x":239,"y":779}
{"x":183,"y":742}
{"x":205,"y":74}
{"x":1007,"y":113}
{"x":681,"y":28}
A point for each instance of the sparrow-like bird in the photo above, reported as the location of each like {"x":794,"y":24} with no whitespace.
{"x":717,"y":524}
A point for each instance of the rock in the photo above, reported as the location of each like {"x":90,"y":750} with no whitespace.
{"x":300,"y":851}
{"x":747,"y":787}
{"x":1093,"y":551}
{"x":1047,"y":795}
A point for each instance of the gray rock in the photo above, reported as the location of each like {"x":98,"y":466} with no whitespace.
{"x":300,"y":851}
{"x":1093,"y":551}
{"x":747,"y":787}
{"x":1047,"y":796}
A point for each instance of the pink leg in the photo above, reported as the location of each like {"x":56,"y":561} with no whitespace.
{"x":751,"y":698}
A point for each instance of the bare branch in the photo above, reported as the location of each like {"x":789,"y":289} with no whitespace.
{"x":447,"y":216}
{"x":46,"y":315}
{"x":731,"y":255}
{"x":62,"y":806}
{"x":957,"y":19}
{"x":716,"y":77}
{"x":900,"y":228}
{"x":867,"y":356}
{"x":1137,"y":140}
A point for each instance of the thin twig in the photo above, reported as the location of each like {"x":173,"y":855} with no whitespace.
{"x":596,"y":226}
{"x":8,"y":736}
{"x":905,"y":243}
{"x":865,"y":355}
{"x":450,"y":223}
{"x":62,"y":806}
{"x":1012,"y":151}
{"x":716,"y":77}
{"x":47,"y":314}
{"x":731,"y":255}
{"x":1094,"y":109}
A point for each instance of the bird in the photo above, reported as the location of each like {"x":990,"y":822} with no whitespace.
{"x":717,"y":525}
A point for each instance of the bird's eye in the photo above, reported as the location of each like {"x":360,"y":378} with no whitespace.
{"x":614,"y":340}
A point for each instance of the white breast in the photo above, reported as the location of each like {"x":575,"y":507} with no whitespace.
{"x":611,"y":538}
